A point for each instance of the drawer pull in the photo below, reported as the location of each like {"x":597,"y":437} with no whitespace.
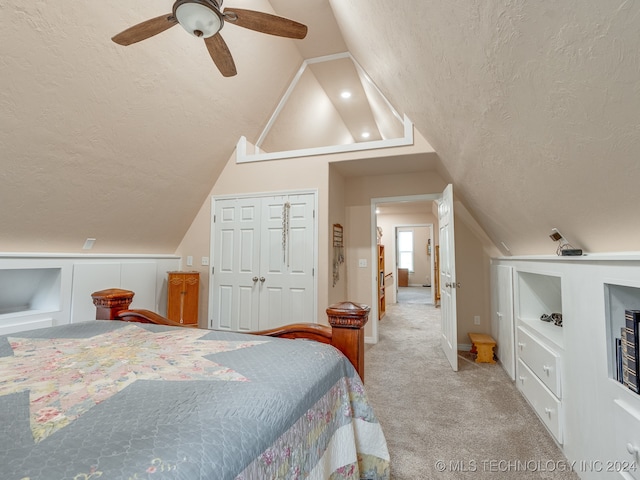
{"x":632,"y":449}
{"x":548,"y":411}
{"x":547,"y":369}
{"x":522,"y":379}
{"x":521,"y":345}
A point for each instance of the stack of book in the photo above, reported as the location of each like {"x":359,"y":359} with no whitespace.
{"x":628,"y":350}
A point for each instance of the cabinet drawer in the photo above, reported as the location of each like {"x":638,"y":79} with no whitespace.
{"x":543,"y":361}
{"x":545,"y":403}
{"x":627,"y":424}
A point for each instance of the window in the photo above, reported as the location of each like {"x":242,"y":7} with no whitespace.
{"x":405,"y":249}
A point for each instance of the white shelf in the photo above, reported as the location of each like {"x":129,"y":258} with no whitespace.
{"x":546,"y":329}
{"x":618,"y":298}
{"x":24,"y":312}
{"x":82,"y":256}
{"x":588,"y":257}
{"x":540,"y":294}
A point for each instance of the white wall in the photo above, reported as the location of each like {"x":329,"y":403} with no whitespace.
{"x":291,"y":174}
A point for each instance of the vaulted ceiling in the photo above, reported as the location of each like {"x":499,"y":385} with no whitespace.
{"x":532,"y":108}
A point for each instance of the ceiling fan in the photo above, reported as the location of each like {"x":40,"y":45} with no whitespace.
{"x":205,"y":19}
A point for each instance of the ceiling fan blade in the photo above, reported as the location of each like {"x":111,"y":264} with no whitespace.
{"x":265,"y":23}
{"x":221,"y":55}
{"x":144,"y":30}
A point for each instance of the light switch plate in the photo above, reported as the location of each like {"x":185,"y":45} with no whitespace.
{"x":189,"y":261}
{"x":205,"y":260}
{"x":362,"y":263}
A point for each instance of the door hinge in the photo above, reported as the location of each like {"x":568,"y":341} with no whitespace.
{"x":213,"y":270}
{"x":313,"y":272}
{"x":214,"y":219}
{"x":314,"y":213}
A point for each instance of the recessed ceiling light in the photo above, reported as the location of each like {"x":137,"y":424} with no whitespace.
{"x":366,"y":134}
{"x":345,"y":94}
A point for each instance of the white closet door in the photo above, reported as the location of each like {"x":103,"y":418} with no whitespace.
{"x":286,"y":258}
{"x":236,"y":258}
{"x":263,"y":260}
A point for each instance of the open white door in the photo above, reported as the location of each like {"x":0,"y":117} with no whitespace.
{"x":448,"y":284}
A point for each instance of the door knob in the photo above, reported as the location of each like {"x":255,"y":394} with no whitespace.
{"x":262,"y":279}
{"x":255,"y":279}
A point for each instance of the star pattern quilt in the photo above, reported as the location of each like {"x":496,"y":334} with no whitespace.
{"x":117,"y":400}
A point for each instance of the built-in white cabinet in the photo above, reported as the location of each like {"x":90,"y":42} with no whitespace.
{"x":569,"y":373}
{"x":543,"y":360}
{"x":147,"y":278}
{"x":627,"y":434}
{"x":38,"y":291}
{"x":502,"y":319}
{"x":546,"y":405}
{"x":539,"y":343}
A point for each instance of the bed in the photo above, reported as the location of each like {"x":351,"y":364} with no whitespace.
{"x":122,"y":399}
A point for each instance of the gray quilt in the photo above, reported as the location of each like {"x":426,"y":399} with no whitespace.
{"x":114,"y":400}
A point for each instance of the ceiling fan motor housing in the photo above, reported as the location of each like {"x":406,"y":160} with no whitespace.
{"x":201,"y":18}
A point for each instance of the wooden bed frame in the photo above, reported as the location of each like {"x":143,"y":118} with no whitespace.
{"x":346,"y":320}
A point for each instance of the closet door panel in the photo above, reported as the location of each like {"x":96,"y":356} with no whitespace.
{"x":263,"y":262}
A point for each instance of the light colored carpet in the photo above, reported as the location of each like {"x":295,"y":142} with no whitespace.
{"x":445,"y":425}
{"x":414,"y":295}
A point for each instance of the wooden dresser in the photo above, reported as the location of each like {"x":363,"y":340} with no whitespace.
{"x":403,"y":277}
{"x":182,"y":297}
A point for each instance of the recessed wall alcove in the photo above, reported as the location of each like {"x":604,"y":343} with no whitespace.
{"x":29,"y":290}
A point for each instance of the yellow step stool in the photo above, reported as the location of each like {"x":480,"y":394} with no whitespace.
{"x":482,"y":344}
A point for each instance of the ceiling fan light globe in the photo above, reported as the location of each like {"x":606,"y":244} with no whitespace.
{"x":199,"y":20}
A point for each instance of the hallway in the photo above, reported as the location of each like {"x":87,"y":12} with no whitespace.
{"x":441,"y":424}
{"x":421,"y":295}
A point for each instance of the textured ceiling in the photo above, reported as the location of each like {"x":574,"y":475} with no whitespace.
{"x":531,"y":106}
{"x":120,"y":143}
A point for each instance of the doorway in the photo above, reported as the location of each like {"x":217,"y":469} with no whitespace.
{"x":414,"y":264}
{"x":394,"y":216}
{"x":444,"y":234}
